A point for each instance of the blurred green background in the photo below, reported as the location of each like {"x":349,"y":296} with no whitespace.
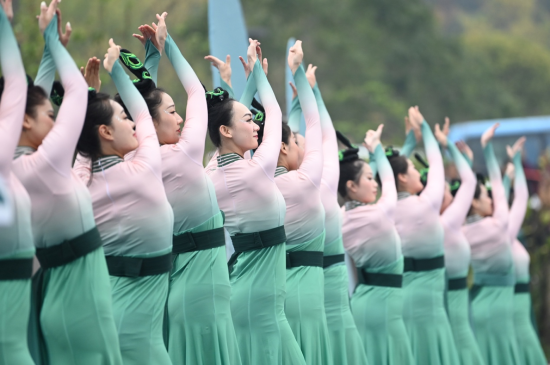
{"x":466,"y":59}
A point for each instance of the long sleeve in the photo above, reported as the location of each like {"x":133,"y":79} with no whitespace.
{"x":14,"y":96}
{"x":331,"y":164}
{"x":388,"y":199}
{"x":507,"y":185}
{"x":46,"y":71}
{"x":435,"y":187}
{"x":267,"y":153}
{"x":193,"y":134}
{"x":410,"y":144}
{"x":59,"y":144}
{"x":296,"y":114}
{"x":521,"y":196}
{"x":500,"y":210}
{"x":152,"y":59}
{"x":224,"y":85}
{"x":249,"y":91}
{"x":312,"y":165}
{"x":148,"y":151}
{"x":456,"y":213}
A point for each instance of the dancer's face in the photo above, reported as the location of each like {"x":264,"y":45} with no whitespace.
{"x":447,"y":198}
{"x":168,"y":122}
{"x":37,"y":126}
{"x":242,"y":132}
{"x":410,"y":182}
{"x":366,"y":189}
{"x":121,"y":133}
{"x":484,"y":204}
{"x":294,"y":153}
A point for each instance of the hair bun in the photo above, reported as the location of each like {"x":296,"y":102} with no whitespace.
{"x":30,"y":82}
{"x":92,"y":93}
{"x":1,"y":85}
{"x":144,"y":82}
{"x":454,"y":186}
{"x":216,"y":96}
{"x":57,"y":93}
{"x":351,"y":153}
{"x":391,"y":152}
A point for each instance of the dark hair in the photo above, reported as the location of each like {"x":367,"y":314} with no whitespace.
{"x":99,"y":112}
{"x":399,"y":164}
{"x":220,"y":112}
{"x":350,"y":165}
{"x":153,"y":99}
{"x":259,"y":119}
{"x":35,"y":96}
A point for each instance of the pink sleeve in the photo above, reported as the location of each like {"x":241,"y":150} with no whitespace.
{"x":456,"y":213}
{"x":312,"y":165}
{"x":500,"y":204}
{"x":59,"y":144}
{"x":267,"y":153}
{"x":388,"y":199}
{"x":521,"y":196}
{"x":331,"y":163}
{"x":14,"y":96}
{"x":435,"y":188}
{"x":193,"y":134}
{"x":148,"y":151}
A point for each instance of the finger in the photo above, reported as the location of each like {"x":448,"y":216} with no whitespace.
{"x":82,"y":70}
{"x":265,"y":65}
{"x":215,"y":61}
{"x":379,"y":129}
{"x":43,"y":7}
{"x":68,"y":29}
{"x":155,"y":27}
{"x":314,"y":69}
{"x":437,"y":129}
{"x":112,"y":42}
{"x":309,"y":67}
{"x":53,"y":6}
{"x":293,"y":87}
{"x":243,"y":62}
{"x":59,"y":30}
{"x":140,"y":37}
{"x":228,"y":59}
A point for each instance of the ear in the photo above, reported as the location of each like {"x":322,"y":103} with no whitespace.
{"x":105,"y":132}
{"x":27,"y":123}
{"x":402,"y":178}
{"x":284,"y":148}
{"x":225,"y":131}
{"x":351,"y":186}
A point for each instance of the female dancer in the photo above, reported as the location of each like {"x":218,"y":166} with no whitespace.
{"x":529,"y":347}
{"x":200,"y":324}
{"x":454,"y":209}
{"x":75,"y":285}
{"x":17,"y":248}
{"x":132,"y":213}
{"x":418,"y":224}
{"x":255,"y":212}
{"x":492,"y":297}
{"x":298,"y":177}
{"x":371,"y":240}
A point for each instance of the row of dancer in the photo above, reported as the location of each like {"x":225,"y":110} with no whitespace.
{"x":163,"y":293}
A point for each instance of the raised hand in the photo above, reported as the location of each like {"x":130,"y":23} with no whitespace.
{"x":415,"y":117}
{"x":517,"y":147}
{"x":147,"y":32}
{"x":372,"y":138}
{"x":252,"y":56}
{"x":310,"y":74}
{"x":294,"y":90}
{"x":510,"y":170}
{"x":91,"y":73}
{"x":8,"y":8}
{"x":223,"y":67}
{"x":46,"y":14}
{"x":488,"y":134}
{"x":161,"y":32}
{"x":295,"y":56}
{"x":64,"y":37}
{"x":441,"y":134}
{"x":416,"y":130}
{"x":111,"y":56}
{"x":465,"y":149}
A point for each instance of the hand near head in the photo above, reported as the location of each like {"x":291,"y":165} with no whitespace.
{"x":517,"y":147}
{"x":223,"y":67}
{"x":64,"y":37}
{"x":111,"y":56}
{"x":91,"y":73}
{"x":488,"y":135}
{"x":46,"y":14}
{"x":295,"y":56}
{"x":8,"y":8}
{"x":465,"y":149}
{"x":441,"y":134}
{"x":372,"y":138}
{"x":310,"y":74}
{"x":294,"y":90}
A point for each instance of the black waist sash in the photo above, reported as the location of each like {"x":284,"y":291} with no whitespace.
{"x":434,"y":263}
{"x":304,"y":258}
{"x":189,"y":242}
{"x":16,"y":269}
{"x":457,"y":284}
{"x":134,"y":267}
{"x":70,"y":250}
{"x":333,"y":259}
{"x":243,"y":242}
{"x":379,"y":279}
{"x":520,"y":288}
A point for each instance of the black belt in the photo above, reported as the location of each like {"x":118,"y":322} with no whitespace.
{"x":189,"y":242}
{"x":134,"y":267}
{"x":243,"y":242}
{"x":424,"y":264}
{"x":457,"y":284}
{"x":16,"y":269}
{"x":304,"y":258}
{"x":70,"y":250}
{"x":377,"y":279}
{"x":331,"y":260}
{"x":522,"y":288}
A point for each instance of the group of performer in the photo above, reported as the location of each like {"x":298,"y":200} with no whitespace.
{"x":132,"y":235}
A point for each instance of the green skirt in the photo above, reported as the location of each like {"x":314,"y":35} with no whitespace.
{"x":76,"y":316}
{"x":138,"y":308}
{"x":15,"y":307}
{"x":378,"y":313}
{"x":425,"y":318}
{"x":345,"y":341}
{"x":258,"y":290}
{"x":530,"y":350}
{"x":458,"y":312}
{"x":493,"y":324}
{"x":305,"y":306}
{"x":199,"y":311}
